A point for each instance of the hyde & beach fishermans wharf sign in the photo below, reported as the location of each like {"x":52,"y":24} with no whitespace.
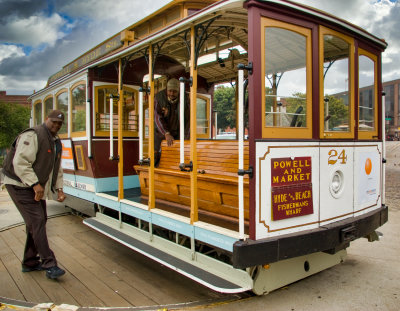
{"x":291,"y":187}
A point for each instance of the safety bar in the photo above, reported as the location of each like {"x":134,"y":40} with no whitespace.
{"x":88,"y":128}
{"x":141,"y":90}
{"x":112,"y":126}
{"x":383,"y":148}
{"x":182,"y":121}
{"x":184,"y":167}
{"x":241,"y":147}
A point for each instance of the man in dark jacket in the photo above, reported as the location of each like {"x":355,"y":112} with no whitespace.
{"x":32,"y":172}
{"x":166,"y":117}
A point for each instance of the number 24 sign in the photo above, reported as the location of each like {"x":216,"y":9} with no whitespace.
{"x":335,"y":156}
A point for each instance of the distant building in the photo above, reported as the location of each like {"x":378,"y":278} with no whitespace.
{"x":392,"y":111}
{"x":14,"y":99}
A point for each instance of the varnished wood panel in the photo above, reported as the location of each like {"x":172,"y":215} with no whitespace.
{"x":217,"y":179}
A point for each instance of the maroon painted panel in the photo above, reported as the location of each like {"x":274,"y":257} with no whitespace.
{"x":291,"y":201}
{"x":290,"y":171}
{"x":255,"y":102}
{"x":291,"y":187}
{"x":102,"y":166}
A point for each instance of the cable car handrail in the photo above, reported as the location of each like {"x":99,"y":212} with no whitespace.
{"x":241,"y":147}
{"x":141,"y":124}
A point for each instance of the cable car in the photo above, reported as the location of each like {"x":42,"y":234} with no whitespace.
{"x":283,"y":166}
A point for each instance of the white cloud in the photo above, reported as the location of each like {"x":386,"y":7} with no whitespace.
{"x":20,"y":86}
{"x":10,"y":51}
{"x":379,"y":17}
{"x":32,"y":31}
{"x":109,"y":17}
{"x":121,"y":11}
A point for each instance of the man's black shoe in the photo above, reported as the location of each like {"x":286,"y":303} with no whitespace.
{"x":26,"y":268}
{"x":54,"y":272}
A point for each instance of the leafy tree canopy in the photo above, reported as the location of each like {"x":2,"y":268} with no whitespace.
{"x":14,"y":118}
{"x":338,"y":112}
{"x":225,"y":106}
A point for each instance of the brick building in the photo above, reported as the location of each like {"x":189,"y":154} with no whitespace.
{"x":14,"y":99}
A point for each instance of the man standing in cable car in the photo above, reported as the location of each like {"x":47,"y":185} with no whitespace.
{"x":166,"y":117}
{"x":32,"y":171}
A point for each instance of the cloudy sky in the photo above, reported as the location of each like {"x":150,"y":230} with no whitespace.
{"x":39,"y":37}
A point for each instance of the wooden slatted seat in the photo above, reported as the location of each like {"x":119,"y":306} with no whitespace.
{"x":217,"y":177}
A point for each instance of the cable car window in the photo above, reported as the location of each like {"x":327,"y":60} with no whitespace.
{"x":368,"y":101}
{"x":287,"y":80}
{"x":129,"y":107}
{"x":62,"y":104}
{"x":337,"y":86}
{"x":78,"y":108}
{"x":37,"y":113}
{"x":202,"y":113}
{"x":48,"y":105}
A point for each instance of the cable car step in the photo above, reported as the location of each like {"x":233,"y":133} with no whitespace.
{"x":187,"y":267}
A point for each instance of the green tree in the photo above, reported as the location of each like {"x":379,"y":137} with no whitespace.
{"x":338,"y":112}
{"x":80,"y":120}
{"x":297,"y":100}
{"x":224,"y":104}
{"x":13,"y":119}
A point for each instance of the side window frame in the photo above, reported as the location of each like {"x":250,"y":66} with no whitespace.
{"x":331,"y":134}
{"x":66,"y":121}
{"x":34,"y":116}
{"x":370,"y":134}
{"x":70,"y":108}
{"x":125,"y":133}
{"x":46,"y":112}
{"x":206,"y":135}
{"x":288,"y":132}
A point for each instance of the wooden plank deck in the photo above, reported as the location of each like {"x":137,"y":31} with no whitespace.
{"x":99,"y":272}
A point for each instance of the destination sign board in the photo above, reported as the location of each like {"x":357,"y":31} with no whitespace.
{"x":291,"y":187}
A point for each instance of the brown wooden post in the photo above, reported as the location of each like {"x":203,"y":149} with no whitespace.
{"x":120,"y":135}
{"x":193,"y":130}
{"x":151,"y":130}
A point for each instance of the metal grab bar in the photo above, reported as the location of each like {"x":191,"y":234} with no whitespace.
{"x":241,"y":147}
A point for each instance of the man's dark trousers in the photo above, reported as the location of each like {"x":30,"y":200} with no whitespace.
{"x":34,"y":214}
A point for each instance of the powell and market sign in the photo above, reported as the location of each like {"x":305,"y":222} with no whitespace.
{"x":103,"y":49}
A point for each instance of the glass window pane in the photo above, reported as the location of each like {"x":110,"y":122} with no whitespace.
{"x":201,"y":112}
{"x":78,"y":104}
{"x":130,"y":110}
{"x":336,"y":84}
{"x":62,"y":104}
{"x":103,"y":111}
{"x":285,"y":78}
{"x":366,"y":78}
{"x":130,"y":113}
{"x":38,"y":114}
{"x":48,"y":106}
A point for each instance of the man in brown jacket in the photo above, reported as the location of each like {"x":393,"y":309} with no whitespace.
{"x":32,"y":172}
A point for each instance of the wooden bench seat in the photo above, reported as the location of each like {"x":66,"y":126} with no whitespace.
{"x":217,"y":178}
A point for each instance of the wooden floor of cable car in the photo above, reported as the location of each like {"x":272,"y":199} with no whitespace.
{"x":227,"y":222}
{"x":99,"y":272}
